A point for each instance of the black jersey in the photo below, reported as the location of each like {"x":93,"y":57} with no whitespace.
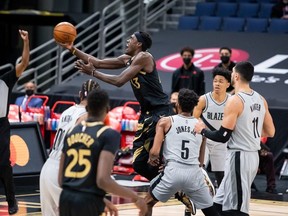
{"x":148,"y":90}
{"x":7,"y":81}
{"x":82,"y":148}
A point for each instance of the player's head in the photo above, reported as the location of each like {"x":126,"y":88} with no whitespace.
{"x":242,"y":71}
{"x":221,"y":79}
{"x":97,"y":103}
{"x":87,"y":87}
{"x":187,"y":100}
{"x":145,"y":39}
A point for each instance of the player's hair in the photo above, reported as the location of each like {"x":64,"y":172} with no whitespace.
{"x":222,"y":72}
{"x":187,"y":100}
{"x":187,"y":49}
{"x":245,"y":69}
{"x":225,"y":48}
{"x":97,"y":102}
{"x":144,"y":38}
{"x":87,"y":87}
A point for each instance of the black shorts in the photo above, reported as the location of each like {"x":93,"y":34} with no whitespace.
{"x":75,"y":203}
{"x":4,"y":142}
{"x":144,"y":139}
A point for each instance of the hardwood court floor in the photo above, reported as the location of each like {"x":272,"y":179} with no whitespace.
{"x":262,"y":204}
{"x":173,"y":208}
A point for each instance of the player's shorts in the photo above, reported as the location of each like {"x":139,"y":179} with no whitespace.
{"x":216,"y":152}
{"x":182,"y":177}
{"x":75,"y":203}
{"x":235,"y":189}
{"x":144,"y":139}
{"x":4,"y":142}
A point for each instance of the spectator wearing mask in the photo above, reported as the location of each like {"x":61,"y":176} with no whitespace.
{"x":188,"y":75}
{"x":173,"y":101}
{"x":225,"y":56}
{"x":280,"y":10}
{"x":29,"y":91}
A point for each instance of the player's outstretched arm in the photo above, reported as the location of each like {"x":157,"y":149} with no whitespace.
{"x":162,"y":126}
{"x":197,"y":111}
{"x":20,"y":67}
{"x":117,"y":80}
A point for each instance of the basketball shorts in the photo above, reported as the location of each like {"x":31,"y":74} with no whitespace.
{"x":4,"y":142}
{"x":216,"y":153}
{"x":235,"y":189}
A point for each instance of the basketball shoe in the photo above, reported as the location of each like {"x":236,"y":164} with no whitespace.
{"x":190,"y":206}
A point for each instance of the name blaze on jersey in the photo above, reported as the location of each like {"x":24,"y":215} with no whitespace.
{"x":213,"y":112}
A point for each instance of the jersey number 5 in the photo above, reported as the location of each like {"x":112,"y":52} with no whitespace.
{"x":185,"y":149}
{"x":78,"y":158}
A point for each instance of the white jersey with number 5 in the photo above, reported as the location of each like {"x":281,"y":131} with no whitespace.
{"x":67,"y":121}
{"x":247,"y":132}
{"x":182,"y":144}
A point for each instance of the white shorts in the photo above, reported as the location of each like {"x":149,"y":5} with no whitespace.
{"x":49,"y":188}
{"x":216,"y":153}
{"x":181,"y":177}
{"x":235,"y":189}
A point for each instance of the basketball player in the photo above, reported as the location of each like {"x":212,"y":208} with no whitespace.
{"x":49,"y":186}
{"x":86,"y":162}
{"x":7,"y":81}
{"x":210,"y":108}
{"x":140,"y":71}
{"x":181,"y":153}
{"x":246,"y":119}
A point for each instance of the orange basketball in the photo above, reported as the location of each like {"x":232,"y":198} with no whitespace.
{"x":64,"y":32}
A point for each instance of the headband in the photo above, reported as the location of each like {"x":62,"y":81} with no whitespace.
{"x":141,"y":40}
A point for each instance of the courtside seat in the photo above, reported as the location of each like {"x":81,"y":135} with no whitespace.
{"x":235,"y":24}
{"x":224,"y":9}
{"x":205,"y":9}
{"x":278,"y":26}
{"x":265,"y":10}
{"x":210,"y":23}
{"x":188,"y":23}
{"x":248,"y":10}
{"x":256,"y":25}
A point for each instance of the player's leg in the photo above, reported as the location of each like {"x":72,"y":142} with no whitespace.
{"x":217,"y":159}
{"x":142,"y":143}
{"x":49,"y":188}
{"x":6,"y":173}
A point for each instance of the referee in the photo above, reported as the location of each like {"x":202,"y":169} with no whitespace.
{"x":7,"y":81}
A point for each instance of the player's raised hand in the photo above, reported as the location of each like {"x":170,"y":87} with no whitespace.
{"x":85,"y":68}
{"x":199,"y":126}
{"x":67,"y":45}
{"x":24,"y":35}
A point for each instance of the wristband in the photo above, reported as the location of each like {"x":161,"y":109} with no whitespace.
{"x":93,"y":72}
{"x":203,"y":132}
{"x":74,"y":50}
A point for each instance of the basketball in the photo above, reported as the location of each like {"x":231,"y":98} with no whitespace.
{"x":64,"y":32}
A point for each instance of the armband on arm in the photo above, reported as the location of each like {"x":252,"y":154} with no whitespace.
{"x":221,"y":135}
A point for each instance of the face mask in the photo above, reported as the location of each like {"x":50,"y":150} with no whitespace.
{"x":225,"y":59}
{"x":29,"y":92}
{"x":187,"y":61}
